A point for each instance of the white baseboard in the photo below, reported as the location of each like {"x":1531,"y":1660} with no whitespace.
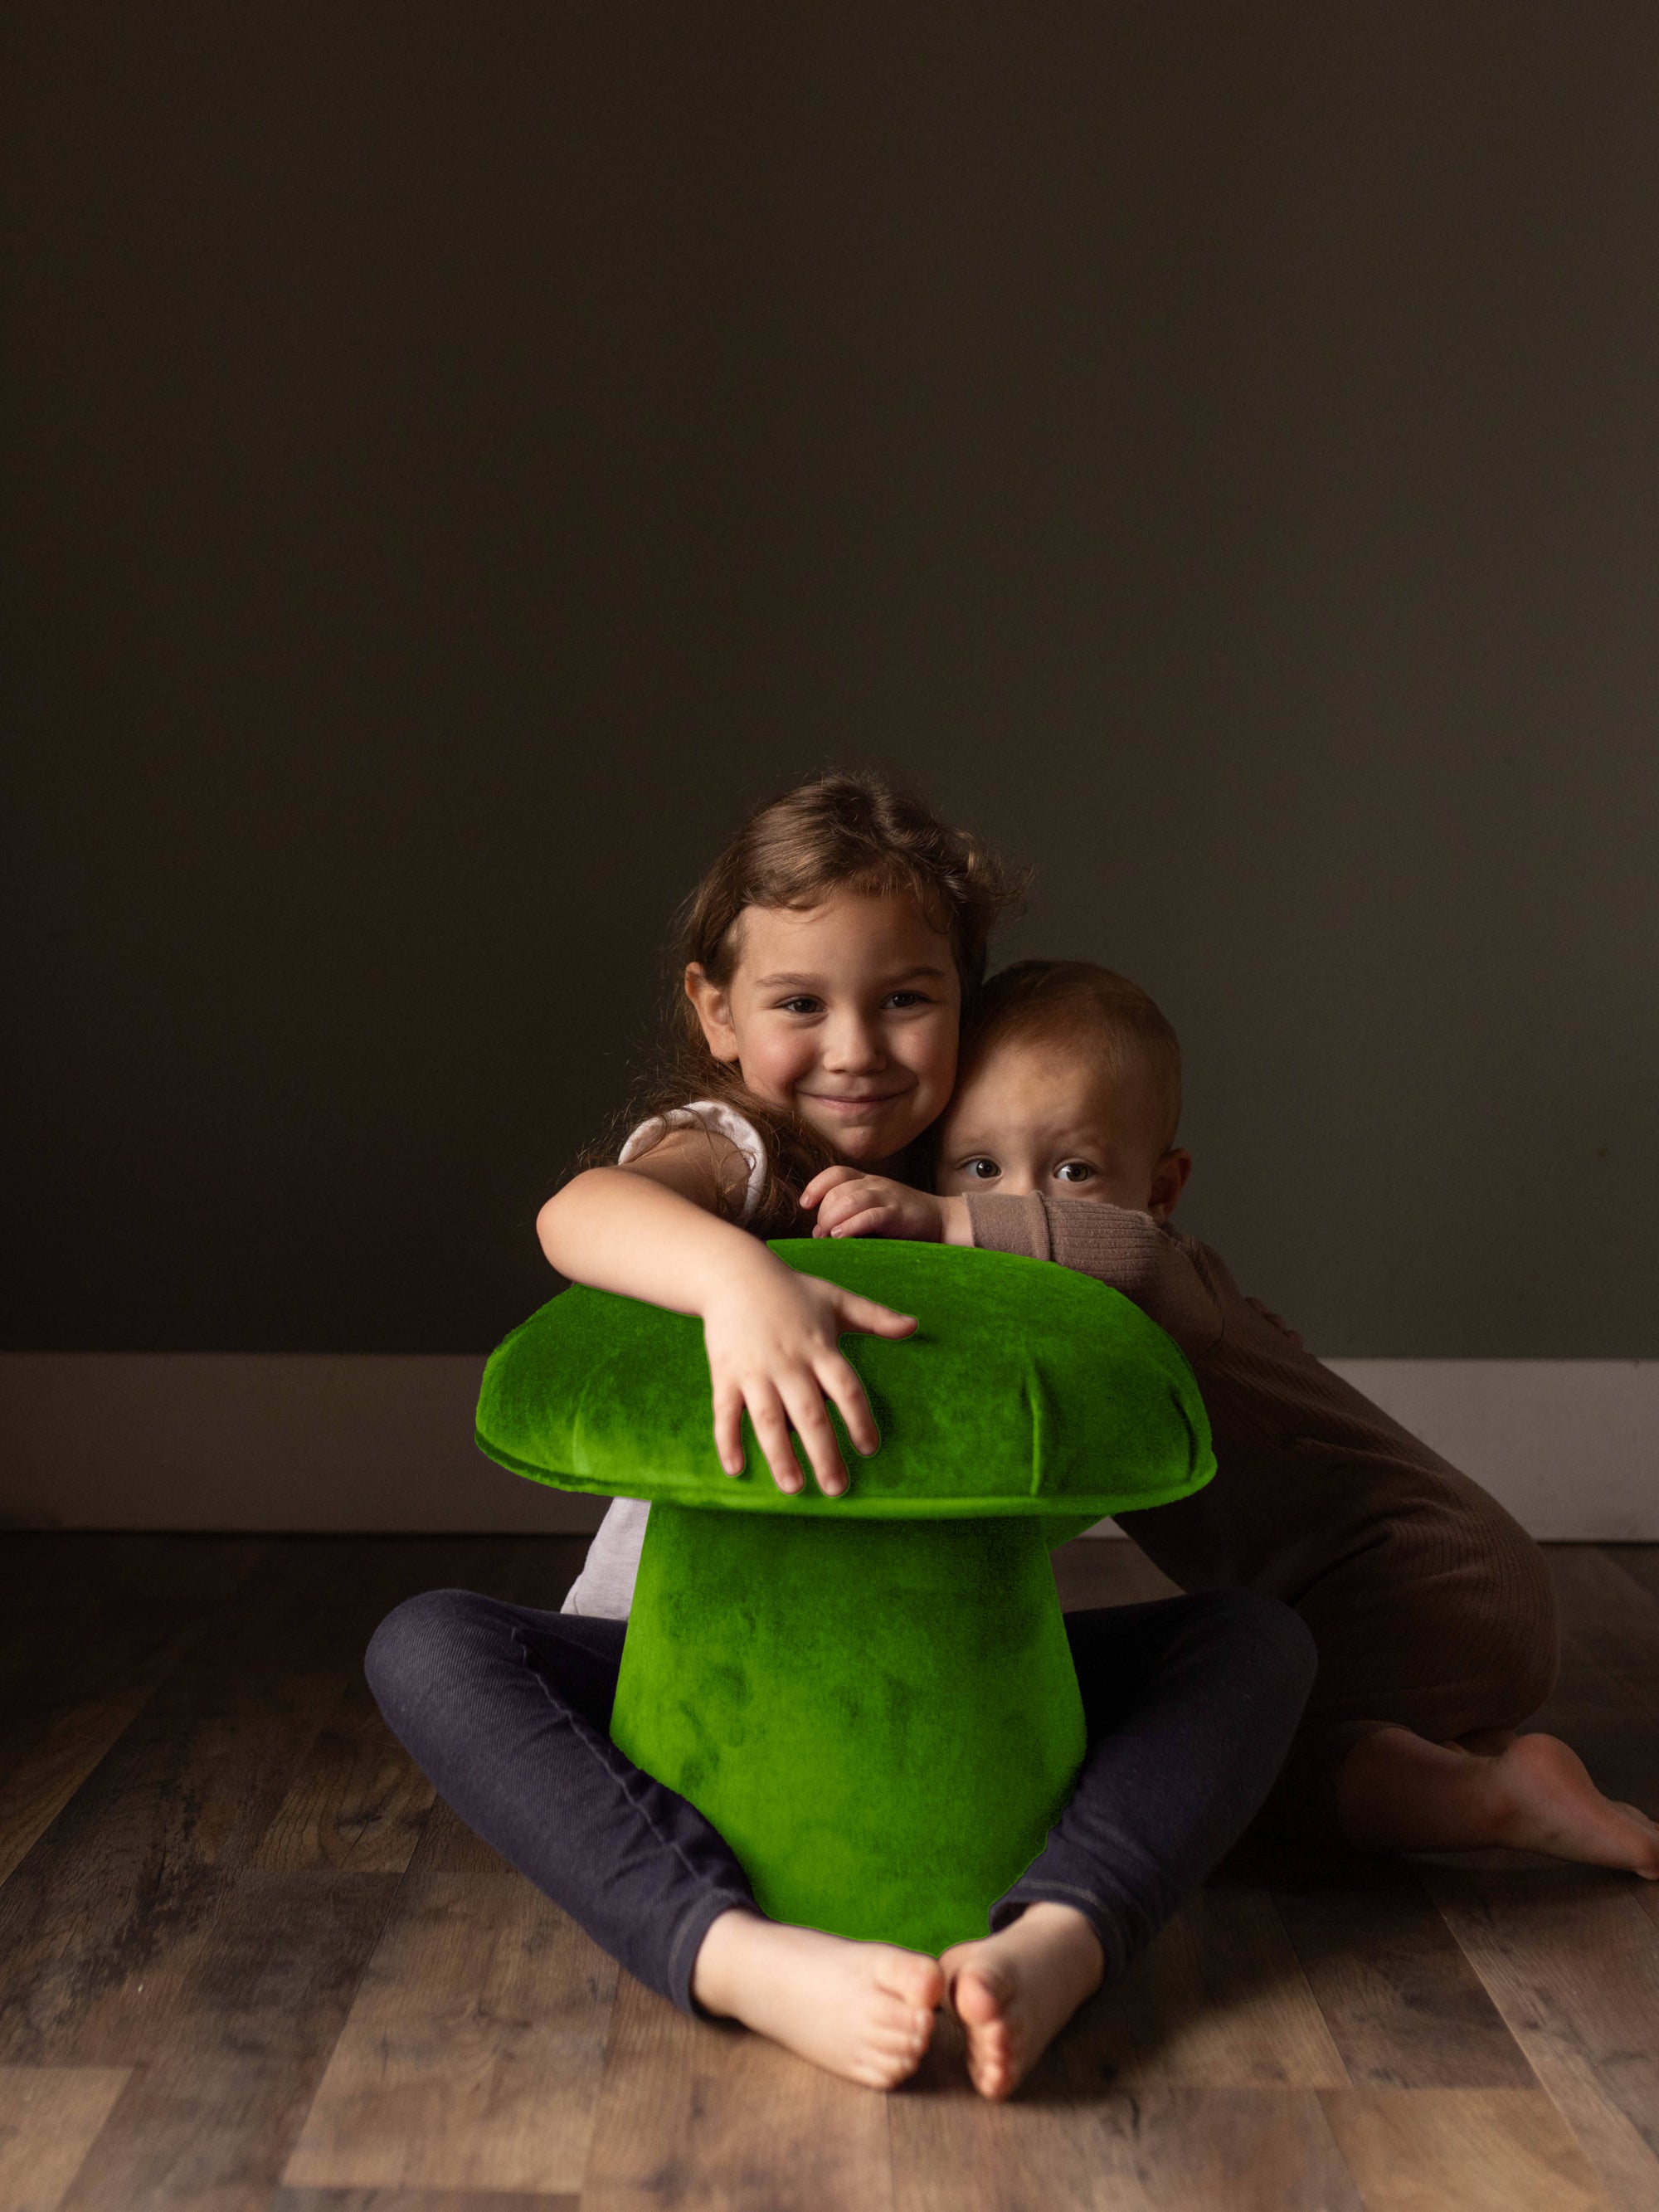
{"x":341,"y":1441}
{"x":267,"y":1441}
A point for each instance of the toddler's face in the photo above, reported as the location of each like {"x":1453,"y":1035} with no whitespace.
{"x":1033,"y":1116}
{"x":847,"y":1013}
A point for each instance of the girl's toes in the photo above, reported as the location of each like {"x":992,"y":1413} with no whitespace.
{"x":887,"y":2064}
{"x":916,"y":1980}
{"x":978,"y":1997}
{"x":897,"y":2040}
{"x":991,"y":2073}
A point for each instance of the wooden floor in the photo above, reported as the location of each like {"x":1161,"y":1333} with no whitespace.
{"x":246,"y":1964}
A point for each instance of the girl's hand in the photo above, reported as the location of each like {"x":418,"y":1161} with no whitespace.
{"x":851,"y":1204}
{"x":772,"y":1343}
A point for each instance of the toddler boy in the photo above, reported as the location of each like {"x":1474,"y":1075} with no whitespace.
{"x":1431,"y":1607}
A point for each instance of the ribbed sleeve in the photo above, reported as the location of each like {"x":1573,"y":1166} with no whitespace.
{"x":1114,"y":1245}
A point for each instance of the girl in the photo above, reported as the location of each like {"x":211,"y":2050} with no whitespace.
{"x":825,"y":959}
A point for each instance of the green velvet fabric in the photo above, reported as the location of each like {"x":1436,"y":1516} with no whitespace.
{"x":871,"y":1697}
{"x":1025,"y":1389}
{"x":881,"y":1717}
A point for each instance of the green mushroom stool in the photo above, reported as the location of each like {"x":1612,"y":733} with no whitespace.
{"x":870,"y":1697}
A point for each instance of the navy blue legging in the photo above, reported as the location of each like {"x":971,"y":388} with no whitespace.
{"x":1190,"y":1705}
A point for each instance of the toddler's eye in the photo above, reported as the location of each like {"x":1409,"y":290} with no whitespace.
{"x":1073,"y":1171}
{"x":983,"y":1170}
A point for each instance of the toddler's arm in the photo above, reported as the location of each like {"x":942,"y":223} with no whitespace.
{"x":651,"y":1230}
{"x":1116,"y":1245}
{"x":1119,"y":1246}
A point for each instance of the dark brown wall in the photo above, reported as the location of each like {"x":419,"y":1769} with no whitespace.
{"x":465,"y":454}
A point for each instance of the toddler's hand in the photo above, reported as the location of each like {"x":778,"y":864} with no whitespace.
{"x":851,"y":1204}
{"x":772,"y":1343}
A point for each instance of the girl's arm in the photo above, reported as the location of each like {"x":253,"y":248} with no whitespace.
{"x":650,"y":1230}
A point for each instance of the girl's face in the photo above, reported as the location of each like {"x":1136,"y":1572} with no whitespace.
{"x":846,"y":1014}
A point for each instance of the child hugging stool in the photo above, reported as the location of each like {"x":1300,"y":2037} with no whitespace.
{"x":1431,"y":1608}
{"x":824,"y":960}
{"x":871,"y":1697}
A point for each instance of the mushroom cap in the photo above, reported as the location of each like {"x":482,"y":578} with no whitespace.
{"x":1025,"y":1388}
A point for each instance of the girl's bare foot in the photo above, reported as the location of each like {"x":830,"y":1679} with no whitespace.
{"x":1398,"y":1792}
{"x":1015,"y":1990}
{"x":862,"y":2010}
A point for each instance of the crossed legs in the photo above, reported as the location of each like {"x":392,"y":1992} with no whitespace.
{"x":1190,"y":1705}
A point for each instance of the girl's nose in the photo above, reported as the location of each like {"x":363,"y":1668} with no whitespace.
{"x":852,"y":1045}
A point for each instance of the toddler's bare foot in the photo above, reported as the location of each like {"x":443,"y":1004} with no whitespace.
{"x":1015,"y":1990}
{"x":1399,"y":1792}
{"x":1552,"y":1805}
{"x":862,"y":2010}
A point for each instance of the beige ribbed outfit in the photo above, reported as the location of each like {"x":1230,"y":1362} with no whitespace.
{"x":1431,"y":1607}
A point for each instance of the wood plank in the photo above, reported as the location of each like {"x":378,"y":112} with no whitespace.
{"x":1219,"y":2001}
{"x":534,"y":1571}
{"x":472,"y":2055}
{"x":236,"y":2030}
{"x":138,"y":1860}
{"x":1462,"y":2150}
{"x":1052,"y":2148}
{"x":707,"y":2117}
{"x":1225,"y":2150}
{"x":447,"y":1846}
{"x":44,"y":1764}
{"x":53,"y":1559}
{"x":419,"y":2200}
{"x":358,"y":1801}
{"x":76,"y":1593}
{"x":1403,"y":2005}
{"x":49,"y":2119}
{"x":1639,"y":1561}
{"x":540,"y":1569}
{"x":1162,"y":2149}
{"x":1133,"y":2102}
{"x":1571,"y":1962}
{"x":1609,"y":1617}
{"x":54,"y":1584}
{"x":105,"y":1643}
{"x":657,"y":2065}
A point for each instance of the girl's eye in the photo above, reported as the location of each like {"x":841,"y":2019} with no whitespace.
{"x":982,"y":1170}
{"x":1073,"y":1171}
{"x":904,"y":999}
{"x":802,"y":1005}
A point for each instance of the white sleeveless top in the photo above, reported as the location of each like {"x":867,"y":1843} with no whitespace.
{"x":605,"y":1588}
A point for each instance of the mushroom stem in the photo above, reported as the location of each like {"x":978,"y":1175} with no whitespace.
{"x":881,"y":1716}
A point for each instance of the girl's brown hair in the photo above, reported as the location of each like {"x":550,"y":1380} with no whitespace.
{"x":839,"y":832}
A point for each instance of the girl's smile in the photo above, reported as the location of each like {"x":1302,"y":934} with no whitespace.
{"x":867,"y":1102}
